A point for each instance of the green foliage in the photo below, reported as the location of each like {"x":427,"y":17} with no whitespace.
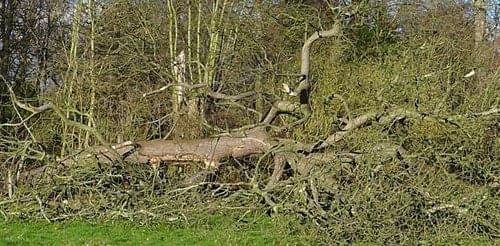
{"x":444,"y":189}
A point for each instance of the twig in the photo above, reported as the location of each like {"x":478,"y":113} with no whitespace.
{"x":41,"y":208}
{"x":186,"y":85}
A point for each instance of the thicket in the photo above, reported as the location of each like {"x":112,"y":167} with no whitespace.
{"x":431,"y":175}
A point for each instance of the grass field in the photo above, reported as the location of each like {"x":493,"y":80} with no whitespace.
{"x":215,"y":231}
{"x":212,"y":232}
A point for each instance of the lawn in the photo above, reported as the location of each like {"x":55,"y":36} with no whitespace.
{"x":210,"y":231}
{"x":216,"y":232}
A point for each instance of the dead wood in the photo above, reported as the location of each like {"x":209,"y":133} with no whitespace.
{"x":209,"y":151}
{"x":249,"y":140}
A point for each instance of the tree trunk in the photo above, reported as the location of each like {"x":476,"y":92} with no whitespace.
{"x":179,"y":67}
{"x":209,"y":151}
{"x":479,"y":22}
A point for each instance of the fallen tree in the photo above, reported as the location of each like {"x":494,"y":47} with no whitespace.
{"x":383,"y":181}
{"x":256,"y":139}
{"x":252,"y":139}
{"x":374,"y":135}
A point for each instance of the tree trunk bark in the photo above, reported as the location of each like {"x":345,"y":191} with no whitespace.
{"x":479,"y":22}
{"x":209,"y":151}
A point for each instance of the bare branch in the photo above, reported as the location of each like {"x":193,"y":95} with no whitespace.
{"x":305,"y":59}
{"x":303,"y":89}
{"x":387,"y":118}
{"x":57,"y":110}
{"x":218,"y":95}
{"x":185,"y":85}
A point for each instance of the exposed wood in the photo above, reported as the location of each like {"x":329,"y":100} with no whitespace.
{"x":209,"y":150}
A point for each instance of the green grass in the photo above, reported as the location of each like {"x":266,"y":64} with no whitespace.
{"x":215,"y":231}
{"x":212,"y":231}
